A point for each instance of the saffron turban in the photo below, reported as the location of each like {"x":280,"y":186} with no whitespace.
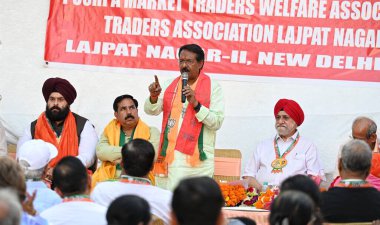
{"x":61,"y":86}
{"x":291,"y":108}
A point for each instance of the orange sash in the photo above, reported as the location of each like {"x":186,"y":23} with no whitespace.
{"x":107,"y":170}
{"x":68,"y":141}
{"x":188,"y":140}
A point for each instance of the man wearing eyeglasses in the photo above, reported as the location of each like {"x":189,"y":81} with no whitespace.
{"x":126,"y":126}
{"x":192,"y":114}
{"x":364,"y":128}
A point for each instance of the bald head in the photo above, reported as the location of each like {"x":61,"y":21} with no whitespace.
{"x":363,"y":128}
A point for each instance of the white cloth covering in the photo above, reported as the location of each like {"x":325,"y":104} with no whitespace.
{"x":158,"y":199}
{"x":76,"y":213}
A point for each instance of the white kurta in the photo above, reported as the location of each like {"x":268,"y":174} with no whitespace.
{"x":303,"y":159}
{"x":76,"y":213}
{"x":86,"y":149}
{"x":158,"y":199}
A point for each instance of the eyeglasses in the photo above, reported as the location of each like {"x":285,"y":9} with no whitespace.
{"x":357,"y":138}
{"x":187,"y":61}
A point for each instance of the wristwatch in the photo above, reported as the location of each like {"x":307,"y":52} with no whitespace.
{"x":198,"y":107}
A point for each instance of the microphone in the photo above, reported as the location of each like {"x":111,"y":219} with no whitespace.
{"x":185,"y":78}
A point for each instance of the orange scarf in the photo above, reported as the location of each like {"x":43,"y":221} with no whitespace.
{"x":112,"y":131}
{"x":189,"y":138}
{"x":375,"y":164}
{"x":67,"y":144}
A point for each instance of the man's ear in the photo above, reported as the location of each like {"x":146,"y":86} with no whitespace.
{"x":173,"y":219}
{"x":115,"y":114}
{"x":89,"y":183}
{"x":373,"y":138}
{"x":59,"y":192}
{"x":221,"y":219}
{"x":340,"y":165}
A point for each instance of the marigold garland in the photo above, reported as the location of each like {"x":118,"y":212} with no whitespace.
{"x":235,"y":195}
{"x":232,"y":194}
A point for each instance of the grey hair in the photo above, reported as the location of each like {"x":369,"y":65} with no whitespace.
{"x":372,"y":128}
{"x":356,"y":156}
{"x":31,"y":174}
{"x":10,"y":204}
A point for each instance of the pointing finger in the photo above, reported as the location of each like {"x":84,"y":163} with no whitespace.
{"x":156,"y":80}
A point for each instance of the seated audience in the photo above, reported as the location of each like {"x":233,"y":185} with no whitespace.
{"x":287,"y":154}
{"x":10,"y":207}
{"x":292,"y":208}
{"x":197,"y":200}
{"x":304,"y":184}
{"x":12,"y":176}
{"x":137,"y":160}
{"x":364,"y":129}
{"x":353,"y":199}
{"x":128,"y":210}
{"x":33,"y":157}
{"x":73,"y":184}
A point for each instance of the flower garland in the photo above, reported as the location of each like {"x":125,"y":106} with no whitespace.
{"x":235,"y":195}
{"x":265,"y":199}
{"x":232,"y":194}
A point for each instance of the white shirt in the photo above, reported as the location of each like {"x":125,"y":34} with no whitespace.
{"x":3,"y":141}
{"x":76,"y":213}
{"x":303,"y":159}
{"x":87,"y":144}
{"x":158,"y":199}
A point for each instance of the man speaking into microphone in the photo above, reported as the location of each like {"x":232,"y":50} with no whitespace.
{"x":193,"y":110}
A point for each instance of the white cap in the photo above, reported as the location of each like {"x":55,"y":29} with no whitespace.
{"x":37,"y":153}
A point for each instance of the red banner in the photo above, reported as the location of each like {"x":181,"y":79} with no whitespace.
{"x":318,"y":39}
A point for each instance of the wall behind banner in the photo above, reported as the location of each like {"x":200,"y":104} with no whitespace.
{"x":330,"y":106}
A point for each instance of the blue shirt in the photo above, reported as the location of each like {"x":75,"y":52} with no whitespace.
{"x":27,"y":219}
{"x":45,"y":197}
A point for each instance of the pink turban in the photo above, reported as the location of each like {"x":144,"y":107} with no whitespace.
{"x":61,"y":86}
{"x":291,"y":108}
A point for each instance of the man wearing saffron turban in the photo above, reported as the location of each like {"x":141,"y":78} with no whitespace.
{"x":192,"y":114}
{"x":287,"y":154}
{"x":73,"y":135}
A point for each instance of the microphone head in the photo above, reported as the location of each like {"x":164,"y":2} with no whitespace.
{"x":185,"y":75}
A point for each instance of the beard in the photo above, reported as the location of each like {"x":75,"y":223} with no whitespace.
{"x":60,"y":115}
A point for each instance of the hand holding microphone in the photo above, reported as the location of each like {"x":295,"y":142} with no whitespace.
{"x":187,"y":92}
{"x":185,"y":78}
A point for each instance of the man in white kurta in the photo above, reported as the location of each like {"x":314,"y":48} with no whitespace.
{"x":73,"y":185}
{"x":287,"y":153}
{"x":202,"y":105}
{"x":137,"y":161}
